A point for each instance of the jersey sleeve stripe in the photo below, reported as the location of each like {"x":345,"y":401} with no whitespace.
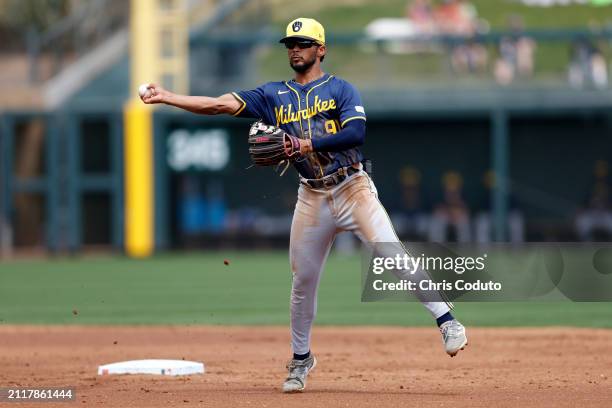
{"x":240,"y":100}
{"x":352,"y":118}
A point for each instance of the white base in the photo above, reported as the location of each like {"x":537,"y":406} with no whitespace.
{"x":158,"y":367}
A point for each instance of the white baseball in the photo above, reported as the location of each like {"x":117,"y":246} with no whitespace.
{"x":143,"y":89}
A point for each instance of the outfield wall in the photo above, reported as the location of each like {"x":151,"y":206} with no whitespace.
{"x":69,"y":193}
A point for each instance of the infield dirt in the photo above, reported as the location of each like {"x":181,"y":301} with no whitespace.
{"x":358,"y":366}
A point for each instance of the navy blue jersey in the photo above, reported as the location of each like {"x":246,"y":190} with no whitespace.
{"x":318,"y":109}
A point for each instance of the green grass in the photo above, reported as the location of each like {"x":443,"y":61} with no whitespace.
{"x":356,"y":14}
{"x":253,"y":289}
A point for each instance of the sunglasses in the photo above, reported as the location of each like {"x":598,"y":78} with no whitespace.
{"x":302,"y":45}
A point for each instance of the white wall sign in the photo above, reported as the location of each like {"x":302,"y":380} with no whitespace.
{"x":201,"y":150}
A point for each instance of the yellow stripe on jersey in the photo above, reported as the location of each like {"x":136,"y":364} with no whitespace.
{"x":243,"y":104}
{"x":349,"y":119}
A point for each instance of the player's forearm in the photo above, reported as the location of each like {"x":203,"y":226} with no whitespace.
{"x":352,"y":135}
{"x":203,"y":105}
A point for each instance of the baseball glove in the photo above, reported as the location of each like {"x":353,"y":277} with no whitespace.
{"x":271,"y":146}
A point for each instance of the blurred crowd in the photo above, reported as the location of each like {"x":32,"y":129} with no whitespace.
{"x":451,"y":218}
{"x":453,"y":17}
{"x":439,"y":213}
{"x":514,"y":52}
{"x":594,"y":218}
{"x":508,"y":59}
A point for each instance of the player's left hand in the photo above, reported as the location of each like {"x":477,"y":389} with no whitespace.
{"x":270,"y":145}
{"x":295,"y":146}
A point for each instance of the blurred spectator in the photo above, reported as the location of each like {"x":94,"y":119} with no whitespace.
{"x":412,"y":219}
{"x":460,"y":18}
{"x":420,"y":13}
{"x":469,"y":57}
{"x":216,"y":206}
{"x":452,"y":215}
{"x":456,"y":17}
{"x":595,"y":220}
{"x":198,"y":211}
{"x":588,"y":65}
{"x":483,"y":222}
{"x":192,"y":206}
{"x":515,"y":54}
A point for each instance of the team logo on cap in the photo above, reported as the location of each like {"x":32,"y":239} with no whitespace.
{"x":297,"y":26}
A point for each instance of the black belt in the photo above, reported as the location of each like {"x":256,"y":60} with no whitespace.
{"x":332,"y":180}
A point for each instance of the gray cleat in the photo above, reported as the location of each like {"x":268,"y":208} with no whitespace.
{"x":298,"y":371}
{"x":453,"y":337}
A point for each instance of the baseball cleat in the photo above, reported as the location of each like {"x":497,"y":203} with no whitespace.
{"x":298,"y":371}
{"x":453,"y":337}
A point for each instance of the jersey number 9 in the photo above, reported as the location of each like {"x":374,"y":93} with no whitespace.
{"x":331,"y":126}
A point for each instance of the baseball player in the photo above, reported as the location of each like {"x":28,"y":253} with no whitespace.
{"x":323,"y":122}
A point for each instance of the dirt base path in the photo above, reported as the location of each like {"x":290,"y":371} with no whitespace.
{"x":358,"y":367}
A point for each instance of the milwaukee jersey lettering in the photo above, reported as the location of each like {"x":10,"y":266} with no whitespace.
{"x":315,"y":110}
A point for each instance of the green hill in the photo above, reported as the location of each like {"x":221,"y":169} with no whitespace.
{"x":351,"y":15}
{"x":364,"y":66}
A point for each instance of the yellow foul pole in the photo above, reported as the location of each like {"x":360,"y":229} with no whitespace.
{"x":159,"y":54}
{"x":138,"y":133}
{"x":139,"y":197}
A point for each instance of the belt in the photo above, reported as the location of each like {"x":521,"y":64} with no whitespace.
{"x":331,"y":180}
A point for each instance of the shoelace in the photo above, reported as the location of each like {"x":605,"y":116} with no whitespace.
{"x":297,"y":367}
{"x":287,"y":163}
{"x":451,"y":330}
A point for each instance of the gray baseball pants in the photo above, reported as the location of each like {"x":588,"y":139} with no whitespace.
{"x":352,"y":205}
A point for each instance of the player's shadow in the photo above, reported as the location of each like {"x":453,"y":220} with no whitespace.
{"x":380,"y":392}
{"x":342,"y":391}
